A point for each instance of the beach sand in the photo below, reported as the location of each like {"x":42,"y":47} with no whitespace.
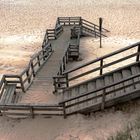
{"x":22,"y":28}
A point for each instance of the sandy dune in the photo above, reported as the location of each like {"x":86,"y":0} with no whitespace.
{"x":22,"y":27}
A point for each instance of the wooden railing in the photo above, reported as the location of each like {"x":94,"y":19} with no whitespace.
{"x":92,"y":26}
{"x":84,"y":98}
{"x":54,"y":33}
{"x":25,"y":78}
{"x":99,"y":65}
{"x":85,"y":25}
{"x":31,"y":110}
{"x":67,"y":21}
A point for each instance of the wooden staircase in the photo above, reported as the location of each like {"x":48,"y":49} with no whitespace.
{"x":105,"y":90}
{"x":88,"y":96}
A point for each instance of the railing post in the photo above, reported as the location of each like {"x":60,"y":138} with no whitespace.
{"x":101,"y":65}
{"x":103,"y":100}
{"x":51,"y":47}
{"x":0,"y":113}
{"x":27,"y":74}
{"x":58,"y":20}
{"x":138,"y":56}
{"x":95,"y":31}
{"x":32,"y":112}
{"x":22,"y":85}
{"x":64,"y":64}
{"x":67,"y":80}
{"x":54,"y":83}
{"x":43,"y":53}
{"x":32,"y":66}
{"x":61,"y":69}
{"x":38,"y":60}
{"x":64,"y":111}
{"x":100,"y":29}
{"x":80,"y":22}
{"x":67,"y":57}
{"x":69,"y":20}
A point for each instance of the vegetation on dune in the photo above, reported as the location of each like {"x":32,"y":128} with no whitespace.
{"x":131,"y":132}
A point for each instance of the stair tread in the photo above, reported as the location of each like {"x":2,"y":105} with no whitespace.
{"x":135,"y":70}
{"x":99,"y":83}
{"x":117,"y":77}
{"x":109,"y":80}
{"x":127,"y":73}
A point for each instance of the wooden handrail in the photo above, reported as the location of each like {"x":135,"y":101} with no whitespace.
{"x":104,"y":66}
{"x":104,"y":87}
{"x":95,"y":25}
{"x":102,"y":58}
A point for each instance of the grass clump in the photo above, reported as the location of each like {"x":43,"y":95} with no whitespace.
{"x":131,"y":132}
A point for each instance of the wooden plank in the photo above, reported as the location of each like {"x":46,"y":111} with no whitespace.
{"x":127,"y":73}
{"x":99,"y":84}
{"x":117,"y":77}
{"x":109,"y":80}
{"x":135,"y":70}
{"x":8,"y":94}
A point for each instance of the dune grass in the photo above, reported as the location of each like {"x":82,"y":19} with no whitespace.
{"x":131,"y":132}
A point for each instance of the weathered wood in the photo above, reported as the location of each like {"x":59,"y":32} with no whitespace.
{"x":99,"y":68}
{"x":137,"y":58}
{"x":104,"y":57}
{"x":7,"y":96}
{"x":101,"y":65}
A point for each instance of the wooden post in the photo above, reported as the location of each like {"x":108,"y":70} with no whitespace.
{"x":32,"y":66}
{"x":95,"y":31}
{"x":22,"y":85}
{"x":80,"y":22}
{"x":138,"y":56}
{"x":61,"y":69}
{"x":100,"y":29}
{"x":64,"y":64}
{"x":0,"y":113}
{"x":69,"y":21}
{"x":27,"y":73}
{"x":67,"y":80}
{"x":58,"y":20}
{"x":51,"y":47}
{"x":38,"y":60}
{"x":64,"y":111}
{"x":67,"y":57}
{"x":43,"y":53}
{"x":101,"y":65}
{"x":103,"y":100}
{"x":32,"y":112}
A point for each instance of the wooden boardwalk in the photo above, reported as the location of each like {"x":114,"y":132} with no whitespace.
{"x":42,"y":88}
{"x":30,"y":93}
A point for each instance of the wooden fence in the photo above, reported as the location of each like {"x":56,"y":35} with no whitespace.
{"x":100,"y":68}
{"x":25,"y":78}
{"x":31,"y":110}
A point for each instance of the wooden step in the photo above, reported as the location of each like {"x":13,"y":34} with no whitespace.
{"x":126,"y":73}
{"x":91,"y":86}
{"x":109,"y":80}
{"x":99,"y":84}
{"x":135,"y":70}
{"x":117,"y":76}
{"x":82,"y":90}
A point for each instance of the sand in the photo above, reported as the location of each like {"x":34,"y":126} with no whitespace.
{"x":22,"y":28}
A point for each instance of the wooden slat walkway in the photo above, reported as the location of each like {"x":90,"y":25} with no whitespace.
{"x":42,"y":88}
